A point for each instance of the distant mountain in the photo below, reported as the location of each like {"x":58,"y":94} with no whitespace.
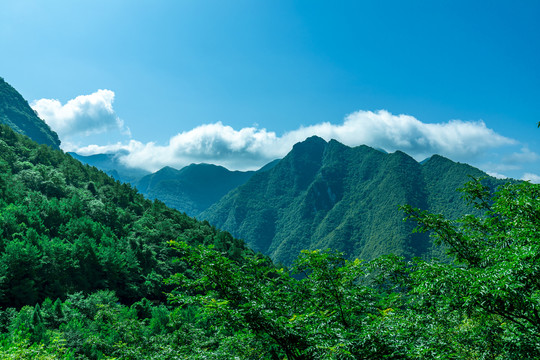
{"x":328,"y":195}
{"x":17,"y":114}
{"x":193,"y":188}
{"x":111,"y":165}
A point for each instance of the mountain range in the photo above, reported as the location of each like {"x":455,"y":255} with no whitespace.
{"x":191,"y":189}
{"x":321,"y":195}
{"x":112,"y":166}
{"x":328,"y":195}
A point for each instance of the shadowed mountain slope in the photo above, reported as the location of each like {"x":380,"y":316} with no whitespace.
{"x":193,"y":188}
{"x":328,"y":195}
{"x":17,"y":114}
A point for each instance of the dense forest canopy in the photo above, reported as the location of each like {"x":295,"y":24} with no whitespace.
{"x":68,"y":231}
{"x":66,"y":227}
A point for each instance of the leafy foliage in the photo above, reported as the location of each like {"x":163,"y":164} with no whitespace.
{"x":497,"y":262}
{"x":482,"y":306}
{"x":66,"y":227}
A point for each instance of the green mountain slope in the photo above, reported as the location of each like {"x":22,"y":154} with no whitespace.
{"x":16,"y":113}
{"x":193,"y":188}
{"x":66,"y":227}
{"x":328,"y":195}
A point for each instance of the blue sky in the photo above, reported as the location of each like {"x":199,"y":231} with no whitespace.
{"x":238,"y":82}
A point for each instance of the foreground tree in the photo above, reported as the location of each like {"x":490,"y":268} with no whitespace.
{"x":494,"y":281}
{"x":266,"y":313}
{"x":481,"y":305}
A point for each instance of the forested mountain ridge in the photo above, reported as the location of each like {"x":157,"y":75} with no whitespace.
{"x":16,"y":113}
{"x":68,"y":227}
{"x":90,"y":256}
{"x":328,"y":195}
{"x":193,"y":188}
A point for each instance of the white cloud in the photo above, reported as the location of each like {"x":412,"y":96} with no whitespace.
{"x":85,"y":115}
{"x":251,"y":147}
{"x":456,"y":138}
{"x":525,"y":156}
{"x":535,"y":179}
{"x":247,"y":148}
{"x":497,"y":175}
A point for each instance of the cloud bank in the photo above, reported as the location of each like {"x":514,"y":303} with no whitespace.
{"x":252,"y":147}
{"x":85,"y":115}
{"x":525,"y":156}
{"x":80,"y":121}
{"x":535,"y":179}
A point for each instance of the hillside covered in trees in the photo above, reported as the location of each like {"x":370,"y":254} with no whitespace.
{"x":16,"y":113}
{"x":193,"y":188}
{"x":68,"y":230}
{"x":328,"y":195}
{"x":67,"y":227}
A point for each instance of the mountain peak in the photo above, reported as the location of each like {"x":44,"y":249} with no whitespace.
{"x":311,"y":141}
{"x":438,"y":159}
{"x":193,"y":188}
{"x":328,"y":195}
{"x":17,"y":114}
{"x":167,"y":170}
{"x":313,"y":147}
